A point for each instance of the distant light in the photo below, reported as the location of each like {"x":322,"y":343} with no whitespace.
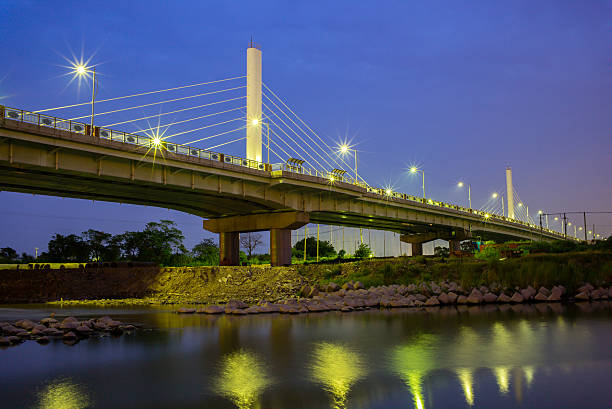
{"x":460,"y":184}
{"x":157,"y":141}
{"x":80,"y":69}
{"x":413,"y":169}
{"x":255,"y":122}
{"x":494,"y":195}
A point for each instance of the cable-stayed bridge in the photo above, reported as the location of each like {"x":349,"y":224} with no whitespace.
{"x":190,"y":157}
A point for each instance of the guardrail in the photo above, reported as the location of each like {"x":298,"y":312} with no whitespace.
{"x":148,"y":142}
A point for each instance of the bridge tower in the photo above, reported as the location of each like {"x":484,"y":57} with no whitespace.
{"x":253,"y":103}
{"x":510,"y":192}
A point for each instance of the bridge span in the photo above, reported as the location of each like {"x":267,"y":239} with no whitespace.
{"x":51,"y":156}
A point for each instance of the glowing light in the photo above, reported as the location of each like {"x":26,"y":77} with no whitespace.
{"x":467,"y":381}
{"x":243,"y":379}
{"x":63,"y":394}
{"x":337,"y":375}
{"x":494,"y":195}
{"x":460,"y":184}
{"x":255,"y":122}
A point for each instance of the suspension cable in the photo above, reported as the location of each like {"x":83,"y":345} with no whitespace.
{"x":172,"y":112}
{"x":226,"y":143}
{"x":137,"y":95}
{"x":203,"y":127}
{"x":159,"y":102}
{"x":213,"y":136}
{"x":190,"y":119}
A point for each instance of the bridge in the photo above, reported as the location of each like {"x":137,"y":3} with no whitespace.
{"x":44,"y":154}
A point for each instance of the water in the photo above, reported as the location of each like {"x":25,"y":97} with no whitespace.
{"x":485,"y":357}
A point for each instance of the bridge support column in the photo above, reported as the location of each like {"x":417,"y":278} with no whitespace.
{"x":280,"y":247}
{"x":279,"y":224}
{"x":229,"y":249}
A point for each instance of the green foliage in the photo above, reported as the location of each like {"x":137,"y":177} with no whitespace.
{"x":325,"y":248}
{"x":363,"y":251}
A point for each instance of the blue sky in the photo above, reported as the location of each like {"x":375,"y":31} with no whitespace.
{"x":463,"y":89}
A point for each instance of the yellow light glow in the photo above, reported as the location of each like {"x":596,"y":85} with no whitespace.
{"x":243,"y":378}
{"x":460,"y":184}
{"x":494,"y":195}
{"x":80,"y":69}
{"x":337,"y":375}
{"x":255,"y":122}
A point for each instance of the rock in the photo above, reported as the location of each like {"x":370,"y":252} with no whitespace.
{"x":48,"y":321}
{"x":475,"y":297}
{"x":517,"y":298}
{"x":43,"y":340}
{"x":544,"y":291}
{"x":186,"y":310}
{"x":332,"y":287}
{"x":540,"y":297}
{"x":503,"y":298}
{"x":70,"y":336}
{"x":25,"y":324}
{"x":452,"y":297}
{"x":433,"y":300}
{"x":211,"y":309}
{"x":462,"y":299}
{"x":489,"y":298}
{"x":444,"y":299}
{"x":582,"y":296}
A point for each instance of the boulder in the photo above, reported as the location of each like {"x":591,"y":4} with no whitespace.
{"x":517,"y":298}
{"x":452,"y":297}
{"x":540,"y":297}
{"x":544,"y":291}
{"x":433,"y":300}
{"x":25,"y":324}
{"x":211,"y":309}
{"x":475,"y":297}
{"x":582,"y":296}
{"x":444,"y":299}
{"x":503,"y":298}
{"x":184,"y":311}
{"x":462,"y":299}
{"x":489,"y":298}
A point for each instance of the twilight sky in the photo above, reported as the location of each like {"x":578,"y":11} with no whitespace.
{"x":463,"y":89}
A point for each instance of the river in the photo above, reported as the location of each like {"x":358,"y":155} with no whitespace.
{"x":543,"y":356}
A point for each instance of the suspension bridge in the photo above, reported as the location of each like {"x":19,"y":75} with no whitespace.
{"x":191,"y":157}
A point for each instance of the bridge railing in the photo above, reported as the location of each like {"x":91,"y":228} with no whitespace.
{"x":43,"y":120}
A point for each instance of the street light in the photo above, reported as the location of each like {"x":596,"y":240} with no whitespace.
{"x":460,"y":184}
{"x":414,"y":169}
{"x":82,"y":70}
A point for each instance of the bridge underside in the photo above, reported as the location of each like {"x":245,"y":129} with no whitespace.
{"x":59,"y":163}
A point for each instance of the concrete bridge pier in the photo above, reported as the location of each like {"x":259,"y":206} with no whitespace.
{"x":279,"y":224}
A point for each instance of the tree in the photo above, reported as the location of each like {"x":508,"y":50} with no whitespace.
{"x":206,"y":252}
{"x":325,"y":248}
{"x":98,"y":243}
{"x":8,"y":255}
{"x":249,"y":242}
{"x":363,"y":251}
{"x":67,"y":248}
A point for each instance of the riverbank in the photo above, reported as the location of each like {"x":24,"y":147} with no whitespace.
{"x":254,"y":284}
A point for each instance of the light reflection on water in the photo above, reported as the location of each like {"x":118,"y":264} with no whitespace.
{"x":376,"y":359}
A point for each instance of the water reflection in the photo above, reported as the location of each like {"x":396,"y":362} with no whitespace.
{"x":337,"y":367}
{"x":412,"y":362}
{"x":243,"y":379}
{"x":63,"y":393}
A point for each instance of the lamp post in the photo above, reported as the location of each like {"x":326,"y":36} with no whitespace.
{"x":414,"y":169}
{"x":460,"y":184}
{"x":344,"y":149}
{"x":83,"y":70}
